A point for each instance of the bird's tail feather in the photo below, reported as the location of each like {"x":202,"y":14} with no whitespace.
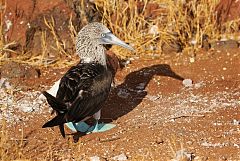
{"x":57,"y":121}
{"x":56,"y":104}
{"x":61,"y":110}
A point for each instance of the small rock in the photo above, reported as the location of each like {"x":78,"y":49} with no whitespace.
{"x":152,"y":98}
{"x":193,"y":41}
{"x":26,"y":109}
{"x":187,"y":82}
{"x":223,"y":45}
{"x":236,"y":122}
{"x":192,"y":60}
{"x":198,"y":85}
{"x":94,"y":158}
{"x":120,"y":157}
{"x":198,"y":158}
{"x":4,"y":83}
{"x":172,"y":47}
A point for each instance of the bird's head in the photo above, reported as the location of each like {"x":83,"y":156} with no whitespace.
{"x":98,"y":33}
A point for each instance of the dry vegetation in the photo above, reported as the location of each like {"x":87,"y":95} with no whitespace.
{"x":176,"y":21}
{"x":134,"y":22}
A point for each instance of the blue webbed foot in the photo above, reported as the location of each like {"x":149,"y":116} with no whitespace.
{"x":80,"y":126}
{"x":100,"y":127}
{"x":84,"y":127}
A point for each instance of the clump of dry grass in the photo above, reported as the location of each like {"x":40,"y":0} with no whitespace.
{"x":128,"y":23}
{"x":61,"y":47}
{"x":189,"y":20}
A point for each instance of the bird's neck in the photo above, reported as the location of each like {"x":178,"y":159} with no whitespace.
{"x":101,"y":60}
{"x":91,"y":53}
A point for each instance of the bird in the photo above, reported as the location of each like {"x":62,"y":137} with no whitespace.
{"x":85,"y":87}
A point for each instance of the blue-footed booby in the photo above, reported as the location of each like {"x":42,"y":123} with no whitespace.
{"x":84,"y":87}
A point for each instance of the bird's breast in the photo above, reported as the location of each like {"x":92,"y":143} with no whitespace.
{"x":102,"y":84}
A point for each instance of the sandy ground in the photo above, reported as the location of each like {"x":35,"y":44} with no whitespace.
{"x":157,"y":117}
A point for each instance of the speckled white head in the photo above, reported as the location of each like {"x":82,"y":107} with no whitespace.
{"x":90,"y":40}
{"x":93,"y":31}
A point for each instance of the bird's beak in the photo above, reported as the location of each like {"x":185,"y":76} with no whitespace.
{"x":109,"y":38}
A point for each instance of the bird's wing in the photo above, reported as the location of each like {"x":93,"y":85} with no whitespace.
{"x":83,"y":88}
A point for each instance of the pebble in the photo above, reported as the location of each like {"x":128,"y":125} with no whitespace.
{"x":5,"y":84}
{"x":26,"y":108}
{"x":192,"y":60}
{"x":152,"y":98}
{"x":199,"y":85}
{"x":120,"y":157}
{"x":94,"y":158}
{"x":236,"y":122}
{"x":187,"y":82}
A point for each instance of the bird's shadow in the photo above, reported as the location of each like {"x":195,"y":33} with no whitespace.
{"x":128,"y":95}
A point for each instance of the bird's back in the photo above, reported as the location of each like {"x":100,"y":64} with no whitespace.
{"x":83,"y":89}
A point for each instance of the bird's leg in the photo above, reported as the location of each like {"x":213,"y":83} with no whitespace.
{"x":99,"y":127}
{"x":75,"y":126}
{"x":78,"y":126}
{"x":97,"y":117}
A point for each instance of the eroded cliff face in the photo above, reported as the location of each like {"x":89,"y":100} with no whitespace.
{"x":227,"y":10}
{"x":50,"y":24}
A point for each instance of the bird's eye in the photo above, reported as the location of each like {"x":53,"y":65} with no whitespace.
{"x":103,"y":34}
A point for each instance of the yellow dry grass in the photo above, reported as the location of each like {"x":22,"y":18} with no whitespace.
{"x":133,"y":26}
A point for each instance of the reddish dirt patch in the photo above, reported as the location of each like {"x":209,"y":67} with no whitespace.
{"x":155,"y":115}
{"x":227,"y":10}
